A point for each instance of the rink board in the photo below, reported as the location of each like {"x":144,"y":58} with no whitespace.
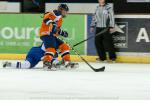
{"x":120,"y":59}
{"x":129,"y":35}
{"x":24,"y":35}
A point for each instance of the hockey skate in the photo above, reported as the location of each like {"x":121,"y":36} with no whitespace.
{"x":49,"y":66}
{"x":68,"y":65}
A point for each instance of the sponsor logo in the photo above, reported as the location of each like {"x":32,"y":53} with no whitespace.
{"x":120,"y":35}
{"x":19,"y":36}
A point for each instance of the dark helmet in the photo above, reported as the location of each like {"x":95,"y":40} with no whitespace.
{"x":63,"y":6}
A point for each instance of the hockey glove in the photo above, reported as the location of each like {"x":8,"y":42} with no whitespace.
{"x":63,"y":33}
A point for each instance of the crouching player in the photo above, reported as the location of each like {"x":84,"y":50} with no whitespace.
{"x":34,"y":56}
{"x":49,"y":32}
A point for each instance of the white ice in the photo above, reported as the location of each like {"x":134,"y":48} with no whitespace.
{"x":118,"y":82}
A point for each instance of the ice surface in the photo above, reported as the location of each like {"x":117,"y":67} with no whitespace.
{"x":118,"y":82}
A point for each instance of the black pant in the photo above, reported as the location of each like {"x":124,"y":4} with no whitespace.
{"x":103,"y":43}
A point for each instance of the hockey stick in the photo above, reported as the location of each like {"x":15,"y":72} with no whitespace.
{"x":91,"y":37}
{"x":96,"y":70}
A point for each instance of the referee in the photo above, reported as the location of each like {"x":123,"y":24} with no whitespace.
{"x":104,"y":19}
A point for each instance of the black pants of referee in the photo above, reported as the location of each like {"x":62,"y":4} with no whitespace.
{"x":104,"y":43}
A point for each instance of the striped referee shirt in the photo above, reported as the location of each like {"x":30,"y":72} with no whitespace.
{"x":103,"y":17}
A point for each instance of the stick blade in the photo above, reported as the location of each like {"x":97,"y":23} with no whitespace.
{"x":102,"y":69}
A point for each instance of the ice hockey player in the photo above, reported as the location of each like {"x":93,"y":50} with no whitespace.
{"x":34,"y":56}
{"x":50,"y":29}
{"x":49,"y":32}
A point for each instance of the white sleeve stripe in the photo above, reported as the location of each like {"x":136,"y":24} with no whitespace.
{"x":60,"y":32}
{"x":49,"y":21}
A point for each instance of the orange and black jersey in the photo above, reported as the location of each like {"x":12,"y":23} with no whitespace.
{"x":48,"y":19}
